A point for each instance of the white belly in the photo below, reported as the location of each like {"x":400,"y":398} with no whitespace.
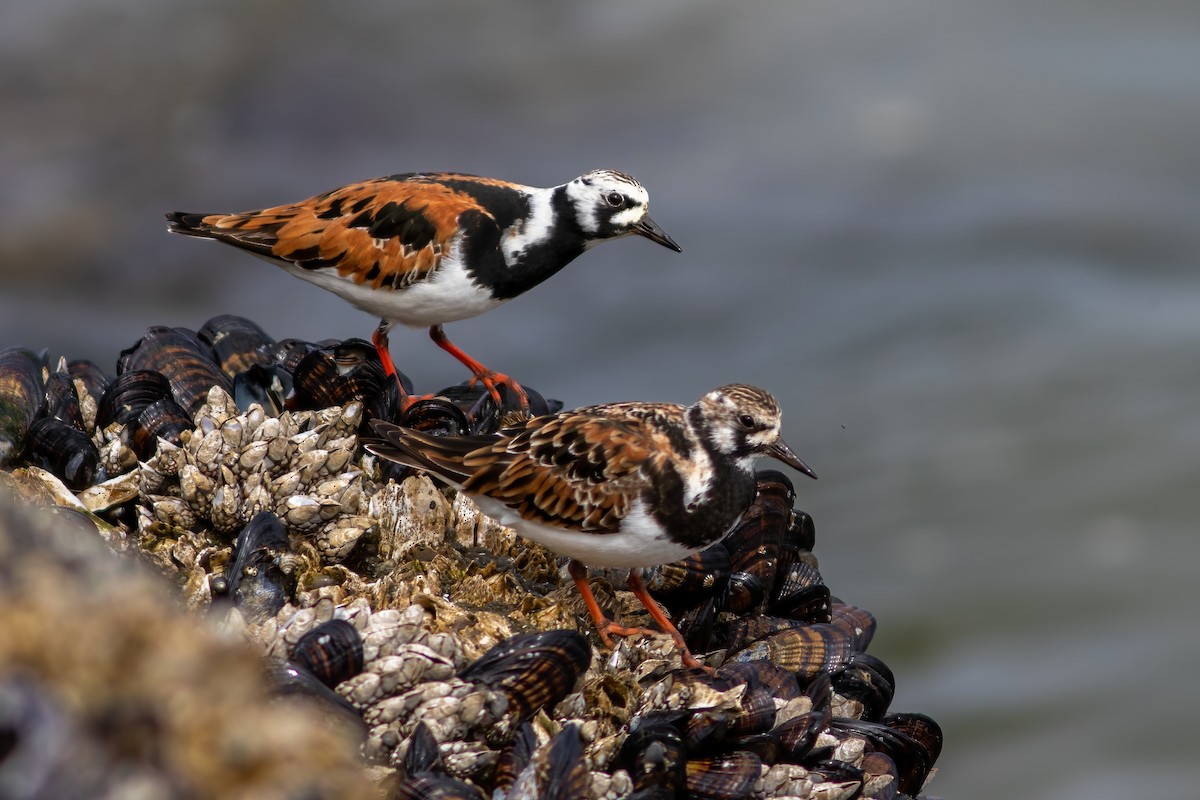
{"x":640,"y":543}
{"x":447,"y":296}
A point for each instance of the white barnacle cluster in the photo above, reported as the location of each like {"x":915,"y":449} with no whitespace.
{"x":410,"y":676}
{"x":300,"y":465}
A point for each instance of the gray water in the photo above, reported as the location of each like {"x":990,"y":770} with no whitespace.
{"x":959,"y":241}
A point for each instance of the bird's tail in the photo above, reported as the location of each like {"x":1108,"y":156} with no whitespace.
{"x":188,"y":224}
{"x":440,"y":456}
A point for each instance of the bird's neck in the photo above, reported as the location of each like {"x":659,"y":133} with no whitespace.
{"x":534,"y":247}
{"x":700,"y":504}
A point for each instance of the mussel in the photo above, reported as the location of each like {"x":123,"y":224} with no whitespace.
{"x":686,"y":583}
{"x":533,"y":671}
{"x":181,"y":358}
{"x":880,"y":781}
{"x":424,"y":778}
{"x":775,"y":485}
{"x":236,"y":343}
{"x":21,"y":394}
{"x":288,"y":353}
{"x":802,"y":532}
{"x":513,"y":758}
{"x":755,"y":543}
{"x":64,"y":450}
{"x":798,"y":735}
{"x":333,"y":651}
{"x":267,"y":385}
{"x":912,"y":759}
{"x":336,"y":375}
{"x":836,"y":779}
{"x":429,"y":786}
{"x":655,"y":756}
{"x":94,"y":379}
{"x":719,"y":777}
{"x":485,"y":417}
{"x":129,"y":394}
{"x":705,"y":730}
{"x":162,"y":419}
{"x":697,"y":625}
{"x":256,"y":579}
{"x":746,"y":591}
{"x":739,"y":632}
{"x":423,"y":754}
{"x":857,"y":622}
{"x":927,"y":735}
{"x":62,"y":400}
{"x":436,"y":416}
{"x":781,"y":683}
{"x":290,"y":679}
{"x":800,"y":594}
{"x":806,"y":649}
{"x":388,"y":404}
{"x":556,"y":771}
{"x":757,"y":713}
{"x":868,"y":681}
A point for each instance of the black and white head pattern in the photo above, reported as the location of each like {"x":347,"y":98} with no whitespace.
{"x":608,"y":204}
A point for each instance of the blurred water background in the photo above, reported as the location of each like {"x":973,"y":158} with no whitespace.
{"x":958,"y":240}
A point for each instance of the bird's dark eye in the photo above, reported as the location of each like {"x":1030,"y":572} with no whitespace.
{"x":746,"y":420}
{"x":614,"y":199}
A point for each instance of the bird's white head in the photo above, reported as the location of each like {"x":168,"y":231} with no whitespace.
{"x":744,"y":422}
{"x":610,"y":204}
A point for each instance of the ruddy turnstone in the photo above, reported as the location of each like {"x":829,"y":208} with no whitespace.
{"x":423,"y":249}
{"x":619,"y":485}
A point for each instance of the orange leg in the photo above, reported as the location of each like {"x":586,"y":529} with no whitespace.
{"x":639,"y":590}
{"x":606,"y":628}
{"x":380,"y":339}
{"x":490,"y":378}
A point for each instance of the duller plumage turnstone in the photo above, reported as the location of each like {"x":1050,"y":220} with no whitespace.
{"x":423,"y":249}
{"x":619,"y":485}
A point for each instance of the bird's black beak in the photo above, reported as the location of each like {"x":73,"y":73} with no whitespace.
{"x":649,"y":228}
{"x":781,"y":451}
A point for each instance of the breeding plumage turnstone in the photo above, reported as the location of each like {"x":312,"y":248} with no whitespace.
{"x":423,"y":249}
{"x":619,"y":485}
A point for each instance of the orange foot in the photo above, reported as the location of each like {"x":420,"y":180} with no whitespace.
{"x":606,"y":628}
{"x":490,"y":378}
